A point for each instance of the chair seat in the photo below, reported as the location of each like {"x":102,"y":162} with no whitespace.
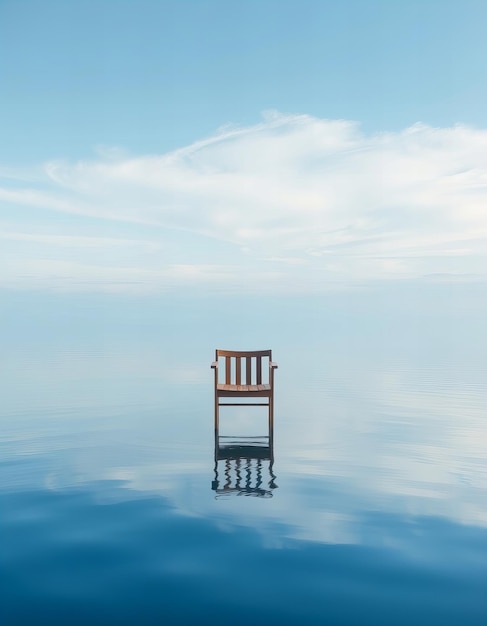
{"x":263,"y":389}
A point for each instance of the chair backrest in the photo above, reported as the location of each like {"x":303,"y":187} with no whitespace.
{"x":244,"y":368}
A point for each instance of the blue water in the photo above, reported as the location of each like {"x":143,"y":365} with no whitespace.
{"x":113,"y":510}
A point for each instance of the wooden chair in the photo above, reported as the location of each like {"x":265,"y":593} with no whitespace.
{"x":235,"y":367}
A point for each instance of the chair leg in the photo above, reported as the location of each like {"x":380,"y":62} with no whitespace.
{"x":271,"y":415}
{"x":217,"y":415}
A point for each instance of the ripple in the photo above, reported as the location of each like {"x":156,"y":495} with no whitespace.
{"x":70,"y":553}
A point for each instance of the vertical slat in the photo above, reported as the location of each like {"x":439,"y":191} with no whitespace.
{"x":227,"y":370}
{"x":259,"y":371}
{"x":248,"y":370}
{"x":238,"y":371}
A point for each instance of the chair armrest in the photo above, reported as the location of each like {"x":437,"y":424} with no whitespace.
{"x":272,"y":365}
{"x":214,"y":365}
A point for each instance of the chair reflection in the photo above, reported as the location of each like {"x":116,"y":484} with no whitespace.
{"x":244,"y":466}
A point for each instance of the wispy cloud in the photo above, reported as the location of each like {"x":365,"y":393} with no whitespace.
{"x":311,"y":202}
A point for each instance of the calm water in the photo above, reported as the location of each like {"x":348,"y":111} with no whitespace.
{"x":374,"y":510}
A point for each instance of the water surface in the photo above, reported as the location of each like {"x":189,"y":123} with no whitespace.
{"x":372,"y":512}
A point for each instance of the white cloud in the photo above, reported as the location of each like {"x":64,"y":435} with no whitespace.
{"x":76,"y":242}
{"x":341,"y":206}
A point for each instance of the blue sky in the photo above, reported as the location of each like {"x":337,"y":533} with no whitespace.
{"x":285,"y":146}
